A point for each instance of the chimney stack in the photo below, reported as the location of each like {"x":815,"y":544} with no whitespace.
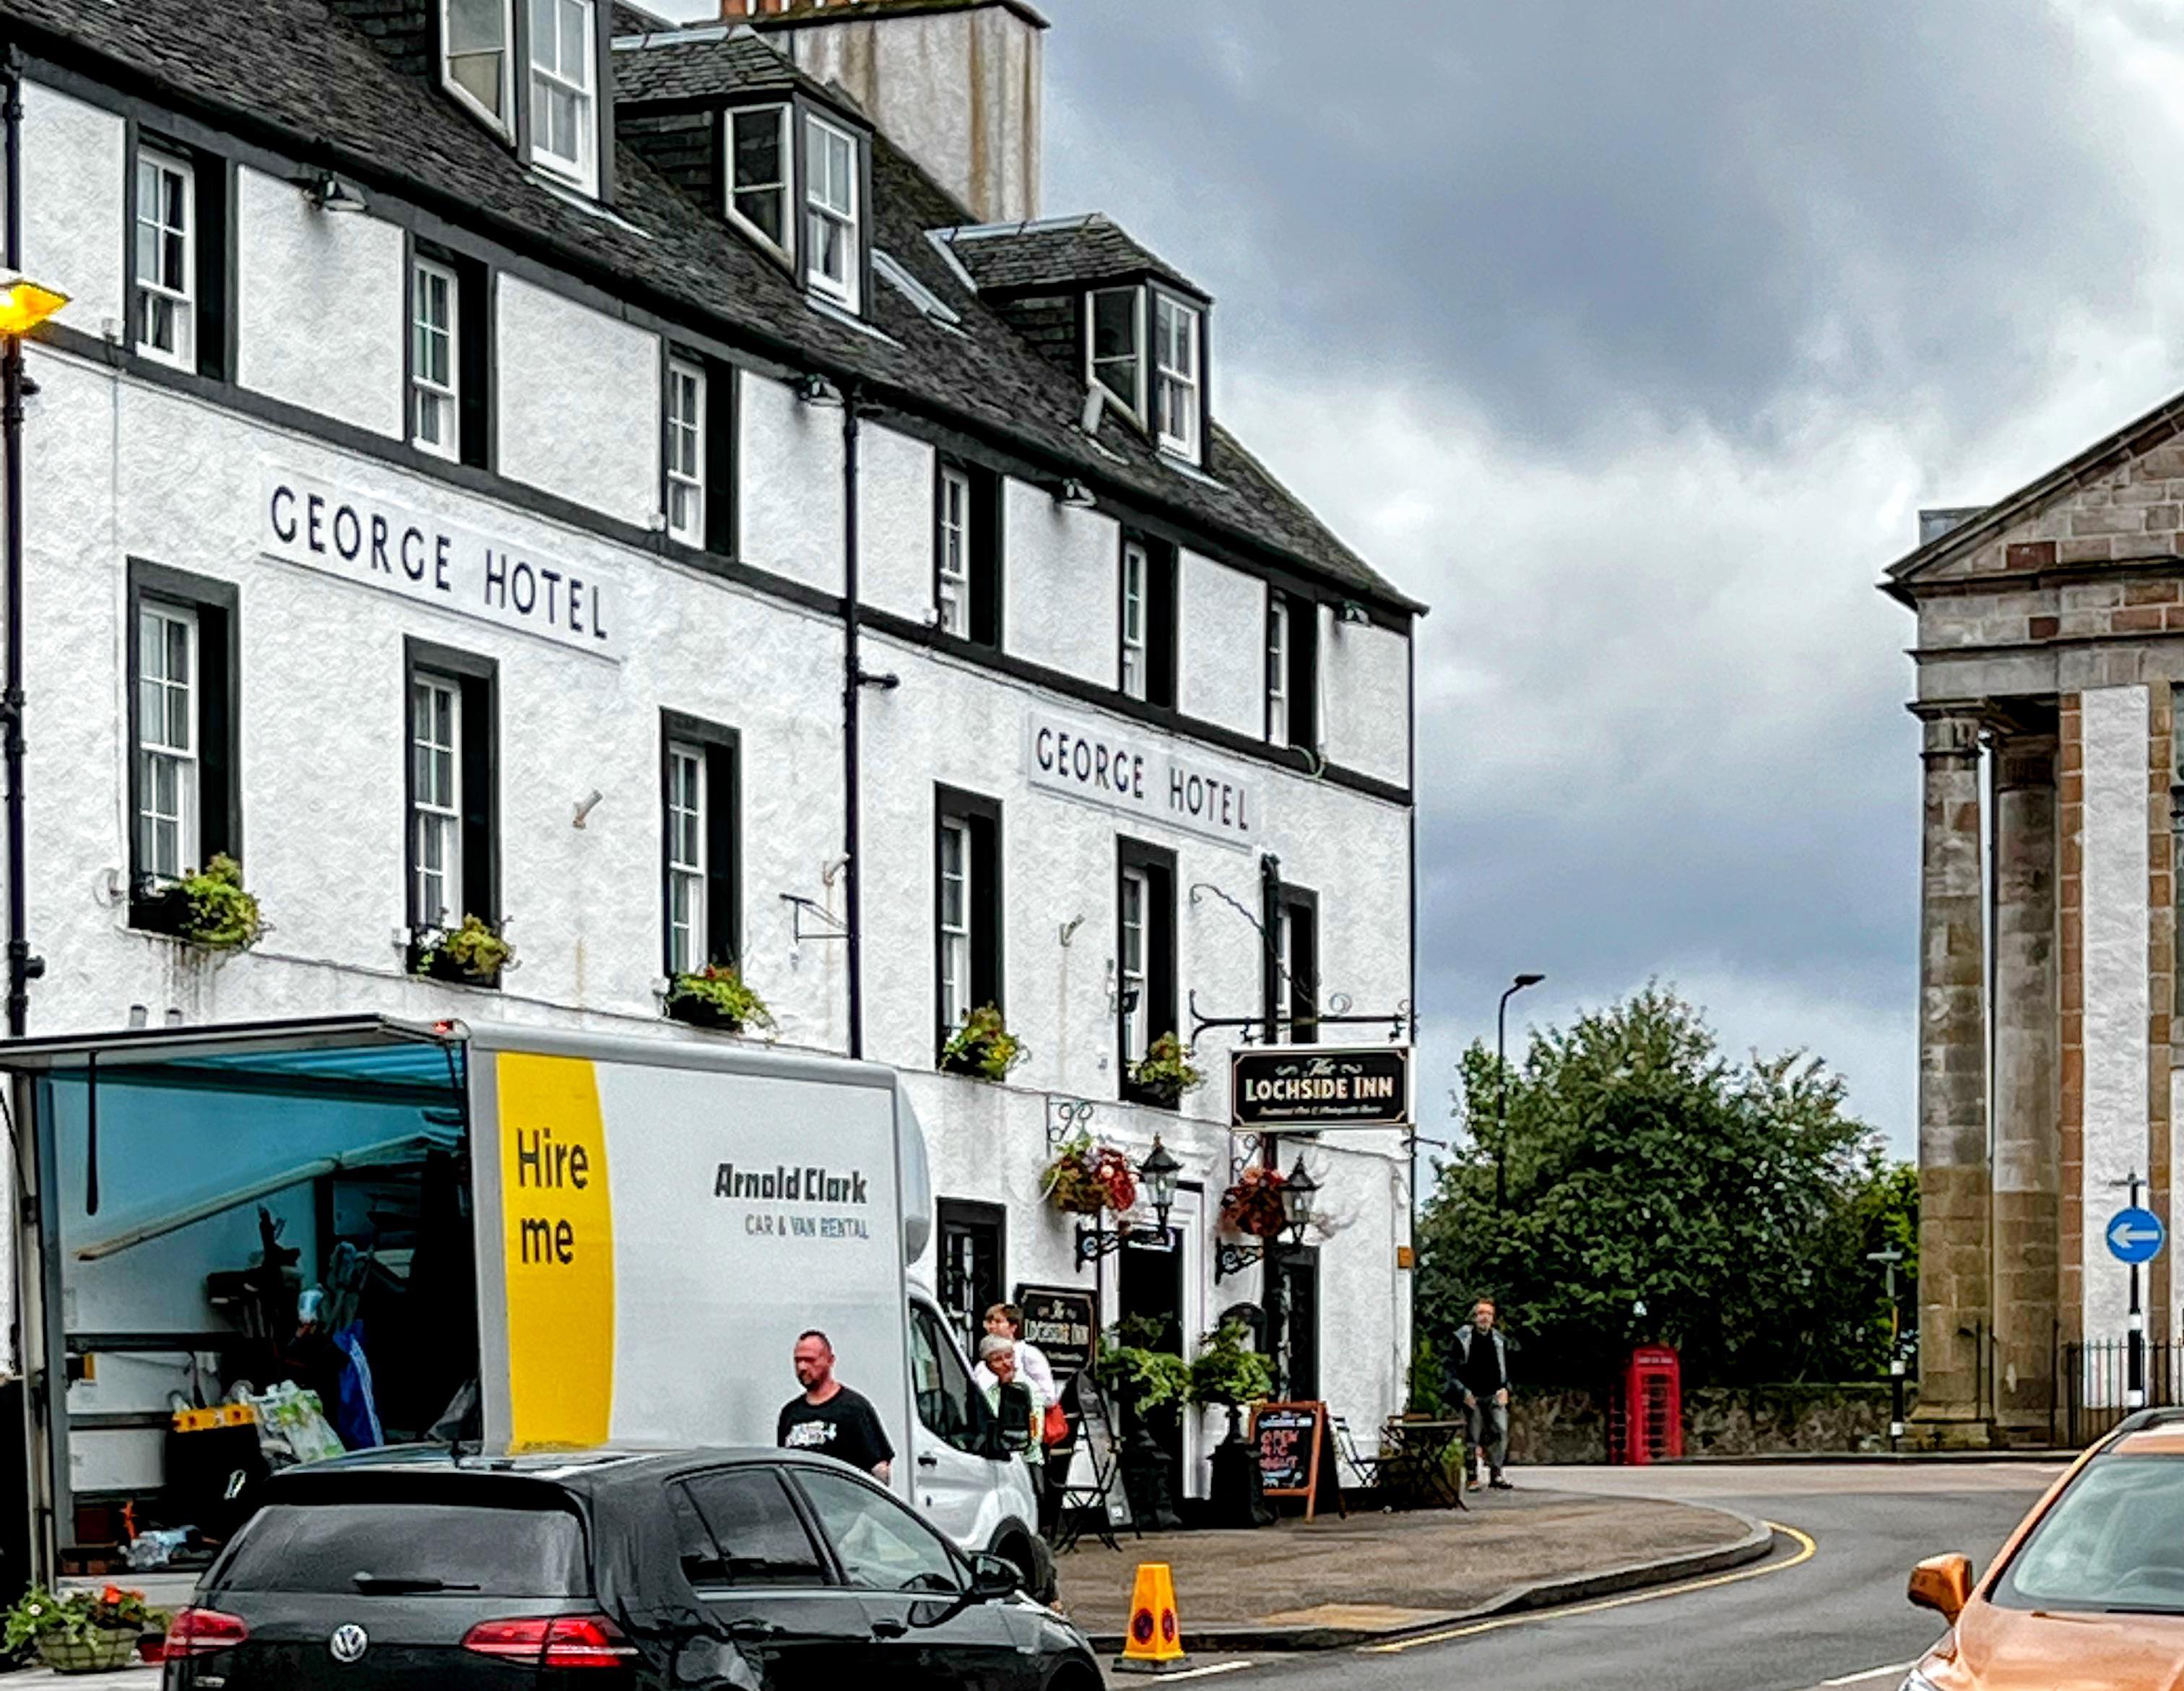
{"x":957,"y":88}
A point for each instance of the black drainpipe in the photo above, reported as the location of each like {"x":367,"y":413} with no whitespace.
{"x":22,"y":968}
{"x":852,"y":616}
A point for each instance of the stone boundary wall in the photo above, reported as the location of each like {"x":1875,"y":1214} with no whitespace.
{"x":1571,"y":1425}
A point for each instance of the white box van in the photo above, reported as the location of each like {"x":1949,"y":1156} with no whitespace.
{"x":617,"y":1241}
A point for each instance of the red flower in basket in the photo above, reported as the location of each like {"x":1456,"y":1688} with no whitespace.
{"x":1254,"y":1204}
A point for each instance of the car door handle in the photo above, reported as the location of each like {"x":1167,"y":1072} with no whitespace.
{"x":887,"y":1627}
{"x":928,"y":1461}
{"x":753,"y":1632}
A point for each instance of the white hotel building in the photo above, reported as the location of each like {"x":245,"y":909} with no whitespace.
{"x":665,"y":492}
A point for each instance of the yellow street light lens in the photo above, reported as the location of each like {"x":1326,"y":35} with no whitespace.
{"x":25,"y":305}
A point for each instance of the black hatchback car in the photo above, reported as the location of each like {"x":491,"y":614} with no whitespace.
{"x":755,"y":1570}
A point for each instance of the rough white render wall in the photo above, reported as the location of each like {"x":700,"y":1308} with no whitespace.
{"x":320,"y":303}
{"x":73,"y":171}
{"x":1061,"y":585}
{"x":579,"y":401}
{"x":1220,"y":662}
{"x":896,"y":533}
{"x":789,"y":463}
{"x":322,"y":727}
{"x":1366,"y":687}
{"x":2116,"y":724}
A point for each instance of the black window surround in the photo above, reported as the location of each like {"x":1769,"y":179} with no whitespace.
{"x":988,"y":546}
{"x":517,"y":134}
{"x":1158,"y":1007}
{"x":1160,"y":616}
{"x":1293,"y":986}
{"x":720,"y":467}
{"x":477,"y":680}
{"x":971,"y":1228}
{"x":982,"y":820}
{"x":793,"y":253}
{"x":217,"y":689}
{"x":476,"y":404}
{"x":1145,"y":293}
{"x":723,"y":751}
{"x":1302,"y":673}
{"x":213,"y":267}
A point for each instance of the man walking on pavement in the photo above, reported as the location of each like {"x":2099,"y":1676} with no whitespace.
{"x":1482,"y":1374}
{"x":829,"y":1417}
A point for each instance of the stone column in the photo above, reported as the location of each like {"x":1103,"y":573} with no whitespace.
{"x":1954,"y":1198}
{"x":2028,"y":1147}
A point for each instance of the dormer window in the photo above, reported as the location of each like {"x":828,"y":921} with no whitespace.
{"x":759,"y":170}
{"x":563,"y":105}
{"x":1177,"y":339}
{"x":833,"y":250}
{"x":475,"y":60}
{"x":1116,"y":344}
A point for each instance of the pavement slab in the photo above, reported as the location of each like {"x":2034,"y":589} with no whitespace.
{"x":1389,"y":1572}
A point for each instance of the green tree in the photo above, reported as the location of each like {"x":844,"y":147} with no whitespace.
{"x":1735,"y":1202}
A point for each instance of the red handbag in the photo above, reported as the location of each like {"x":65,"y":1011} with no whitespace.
{"x":1056,"y":1431}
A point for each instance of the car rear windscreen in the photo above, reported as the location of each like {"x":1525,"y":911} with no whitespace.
{"x":359,"y":1548}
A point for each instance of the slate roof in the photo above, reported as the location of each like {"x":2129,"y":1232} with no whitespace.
{"x":301,"y":78}
{"x":1007,"y":258}
{"x":670,"y":64}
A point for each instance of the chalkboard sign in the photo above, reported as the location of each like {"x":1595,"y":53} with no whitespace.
{"x":1296,"y":1458}
{"x":1097,"y":1458}
{"x":1060,"y":1321}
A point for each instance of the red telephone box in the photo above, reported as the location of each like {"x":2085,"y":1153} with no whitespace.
{"x":1651,"y":1408}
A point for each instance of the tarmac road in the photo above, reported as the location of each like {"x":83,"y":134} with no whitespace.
{"x":1830,"y":1616}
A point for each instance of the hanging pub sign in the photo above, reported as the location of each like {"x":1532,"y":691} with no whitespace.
{"x":1062,"y":1323}
{"x":1305,"y":1087}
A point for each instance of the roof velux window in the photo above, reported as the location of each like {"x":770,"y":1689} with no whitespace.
{"x":564,"y":106}
{"x":476,"y":63}
{"x":1115,"y":345}
{"x":833,"y":249}
{"x":1177,"y":334}
{"x":760,"y":166}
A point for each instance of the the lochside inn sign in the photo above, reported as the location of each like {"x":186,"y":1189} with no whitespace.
{"x":1095,"y":763}
{"x":1302,"y":1088}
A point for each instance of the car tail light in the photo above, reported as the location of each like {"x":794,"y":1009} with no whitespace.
{"x":200,"y":1631}
{"x":558,"y":1641}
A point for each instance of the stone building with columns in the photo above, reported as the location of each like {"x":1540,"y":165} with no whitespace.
{"x":2049,"y":649}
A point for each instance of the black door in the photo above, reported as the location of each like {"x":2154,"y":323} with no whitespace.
{"x":971,"y":1240}
{"x":751,"y":1560}
{"x":1148,"y":1286}
{"x":1296,"y":1354}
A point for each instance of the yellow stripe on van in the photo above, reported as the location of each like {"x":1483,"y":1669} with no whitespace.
{"x":558,"y":1243}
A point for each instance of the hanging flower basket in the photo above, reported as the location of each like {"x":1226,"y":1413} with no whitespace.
{"x":208,"y":907}
{"x":1087,"y":1178}
{"x":717,"y":996}
{"x":983,"y":1048}
{"x":83,"y":1631}
{"x":1254,"y":1204}
{"x":1167,"y":1074}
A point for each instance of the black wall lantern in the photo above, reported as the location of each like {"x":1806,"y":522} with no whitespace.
{"x":1158,"y":1173}
{"x":1300,"y":1206}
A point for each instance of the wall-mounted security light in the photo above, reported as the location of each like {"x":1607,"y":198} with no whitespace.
{"x":1351,"y":611}
{"x":327,"y":191}
{"x":886,"y":682}
{"x":1075,"y":495}
{"x":816,"y":390}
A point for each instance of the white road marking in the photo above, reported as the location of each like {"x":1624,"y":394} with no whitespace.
{"x":1870,"y":1673}
{"x":1210,"y":1667}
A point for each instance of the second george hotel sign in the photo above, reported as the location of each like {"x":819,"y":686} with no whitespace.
{"x":1094,"y":762}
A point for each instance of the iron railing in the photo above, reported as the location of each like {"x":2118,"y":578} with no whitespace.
{"x":2096,"y":1378}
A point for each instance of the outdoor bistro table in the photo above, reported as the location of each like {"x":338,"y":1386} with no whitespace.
{"x":1417,"y":1460}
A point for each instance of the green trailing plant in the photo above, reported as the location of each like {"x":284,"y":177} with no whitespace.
{"x":718,"y":995}
{"x":1227,"y":1372}
{"x":58,"y":1626}
{"x":1138,"y":1375}
{"x":220,"y":913}
{"x":984,"y":1047}
{"x":476,"y":951}
{"x":1166,"y":1073}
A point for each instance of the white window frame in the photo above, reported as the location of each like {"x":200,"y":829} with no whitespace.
{"x":952,"y":588}
{"x":182,"y":755}
{"x":685,"y":445}
{"x":844,"y":291}
{"x":502,"y":122}
{"x":427,"y":816}
{"x":1175,"y":388}
{"x":686,"y":950}
{"x":1129,"y":969}
{"x":445,"y":398}
{"x":158,"y":164}
{"x":785,"y":188}
{"x":1135,"y":571}
{"x":550,"y":76}
{"x":955,"y":985}
{"x":1277,"y":671}
{"x":1134,"y":406}
{"x":1285,"y":949}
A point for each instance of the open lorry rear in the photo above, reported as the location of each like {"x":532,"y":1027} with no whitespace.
{"x":591,"y":1240}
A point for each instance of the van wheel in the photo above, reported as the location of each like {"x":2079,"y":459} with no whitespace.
{"x":1033,"y":1563}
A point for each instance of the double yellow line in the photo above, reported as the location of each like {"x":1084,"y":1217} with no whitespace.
{"x":1807,"y":1550}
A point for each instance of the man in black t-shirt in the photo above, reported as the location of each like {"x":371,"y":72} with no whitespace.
{"x":830,"y":1418}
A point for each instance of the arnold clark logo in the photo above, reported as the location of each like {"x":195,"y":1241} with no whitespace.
{"x":1097,"y":764}
{"x":762,"y":1189}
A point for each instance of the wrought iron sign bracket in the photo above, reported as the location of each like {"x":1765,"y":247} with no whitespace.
{"x":1397,"y":1020}
{"x":826,"y":925}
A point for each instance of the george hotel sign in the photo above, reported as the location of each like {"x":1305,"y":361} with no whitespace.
{"x":1299,"y":1088}
{"x":1097,"y":764}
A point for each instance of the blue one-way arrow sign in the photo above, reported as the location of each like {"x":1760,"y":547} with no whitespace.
{"x":2135,"y":1235}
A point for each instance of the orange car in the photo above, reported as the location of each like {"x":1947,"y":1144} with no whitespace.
{"x":2088,"y":1593}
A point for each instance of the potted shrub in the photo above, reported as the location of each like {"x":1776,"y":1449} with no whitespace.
{"x":983,"y":1048}
{"x":85,"y":1631}
{"x":208,"y":907}
{"x":717,"y":996}
{"x":1166,"y":1073}
{"x":1254,"y":1204}
{"x":1227,"y":1373}
{"x":1089,"y":1178}
{"x":1148,"y":1386}
{"x":472,"y":955}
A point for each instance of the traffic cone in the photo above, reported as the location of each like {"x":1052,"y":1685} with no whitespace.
{"x":1155,"y":1640}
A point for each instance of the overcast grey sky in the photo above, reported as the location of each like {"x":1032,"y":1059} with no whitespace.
{"x":1632,"y":336}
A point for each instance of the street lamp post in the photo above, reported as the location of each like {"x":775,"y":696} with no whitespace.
{"x":1501,"y":1087}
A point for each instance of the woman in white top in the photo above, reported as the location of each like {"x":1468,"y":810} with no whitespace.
{"x":1006,"y":1321}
